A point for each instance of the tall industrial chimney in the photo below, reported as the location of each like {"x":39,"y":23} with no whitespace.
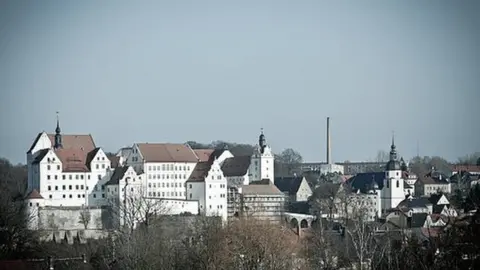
{"x":329,"y":157}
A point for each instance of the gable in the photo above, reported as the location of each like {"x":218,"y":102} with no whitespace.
{"x":42,"y":141}
{"x":443,"y":200}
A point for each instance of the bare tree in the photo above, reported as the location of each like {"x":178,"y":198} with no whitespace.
{"x":85,"y":217}
{"x":361,"y":234}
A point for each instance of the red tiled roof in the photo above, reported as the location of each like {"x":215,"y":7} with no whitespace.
{"x":75,"y":141}
{"x":34,"y":195}
{"x":203,"y":154}
{"x":466,"y":168}
{"x":167,"y":152}
{"x":73,"y":160}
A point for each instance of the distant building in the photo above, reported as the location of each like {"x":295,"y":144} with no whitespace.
{"x":295,"y":188}
{"x":390,"y":186}
{"x":431,"y":183}
{"x":471,"y":169}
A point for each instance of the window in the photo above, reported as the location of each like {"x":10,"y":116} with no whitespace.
{"x":55,"y":177}
{"x":64,"y":196}
{"x":70,"y":187}
{"x":76,"y":177}
{"x":81,"y":176}
{"x":70,"y":177}
{"x":190,"y":195}
{"x":48,"y":177}
{"x":50,"y":196}
{"x":97,"y":166}
{"x":63,"y":187}
{"x":49,"y":188}
{"x":190,"y":186}
{"x":88,"y":177}
{"x":63,"y":177}
{"x":99,"y":177}
{"x":58,"y":167}
{"x":76,"y":186}
{"x":70,"y":196}
{"x":48,"y":166}
{"x":78,"y":196}
{"x":398,"y":183}
{"x":94,"y":195}
{"x":56,"y":187}
{"x":103,"y":166}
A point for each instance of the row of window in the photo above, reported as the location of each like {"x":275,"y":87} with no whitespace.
{"x":70,"y":196}
{"x":167,"y":176}
{"x":169,"y":167}
{"x":167,"y":194}
{"x":167,"y":185}
{"x":77,"y":187}
{"x":70,"y":177}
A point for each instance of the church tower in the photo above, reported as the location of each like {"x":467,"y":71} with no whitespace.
{"x":393,"y":190}
{"x":262,"y":161}
{"x":58,"y":135}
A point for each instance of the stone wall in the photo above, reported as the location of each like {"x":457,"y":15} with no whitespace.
{"x":74,"y":218}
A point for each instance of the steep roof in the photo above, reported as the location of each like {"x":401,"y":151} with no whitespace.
{"x":73,"y":159}
{"x":236,"y":166}
{"x":90,"y":156}
{"x":114,"y":161}
{"x":434,"y":198}
{"x":167,"y":152}
{"x":417,"y":220}
{"x":203,"y":154}
{"x":261,"y":189}
{"x":75,"y":141}
{"x":117,"y":175}
{"x":200,"y":172}
{"x":41,"y":154}
{"x":34,"y":195}
{"x":364,"y":181}
{"x":288,"y":184}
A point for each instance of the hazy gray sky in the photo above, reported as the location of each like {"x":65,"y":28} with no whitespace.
{"x":172,"y":71}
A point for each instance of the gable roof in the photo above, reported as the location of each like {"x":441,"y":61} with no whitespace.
{"x":203,"y":154}
{"x":288,"y":184}
{"x":410,"y":202}
{"x":84,"y":142}
{"x":261,"y":189}
{"x":114,"y":161}
{"x":417,"y":220}
{"x":466,"y":168}
{"x":200,"y":172}
{"x":434,"y":198}
{"x":90,"y":156}
{"x":73,"y":159}
{"x":41,"y":154}
{"x":34,"y":142}
{"x":34,"y":195}
{"x":236,"y":166}
{"x":117,"y":175}
{"x":167,"y":152}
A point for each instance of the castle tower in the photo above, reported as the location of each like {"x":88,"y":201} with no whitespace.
{"x":393,"y":189}
{"x":262,"y":161}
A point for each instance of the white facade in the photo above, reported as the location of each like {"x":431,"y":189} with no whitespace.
{"x":210,"y":190}
{"x":393,"y":191}
{"x":67,"y":176}
{"x":262,"y":162}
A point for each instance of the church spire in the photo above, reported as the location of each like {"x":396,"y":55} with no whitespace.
{"x":393,"y":150}
{"x":262,"y":142}
{"x":58,"y":135}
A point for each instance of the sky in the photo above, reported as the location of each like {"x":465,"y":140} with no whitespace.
{"x":173,"y":71}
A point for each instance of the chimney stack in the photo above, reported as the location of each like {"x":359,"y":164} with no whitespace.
{"x":329,"y":157}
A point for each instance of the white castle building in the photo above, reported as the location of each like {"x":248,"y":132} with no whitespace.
{"x":71,"y":171}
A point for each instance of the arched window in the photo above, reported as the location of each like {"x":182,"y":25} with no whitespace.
{"x":398,"y":183}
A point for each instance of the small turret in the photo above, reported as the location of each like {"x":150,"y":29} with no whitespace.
{"x":262,"y":142}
